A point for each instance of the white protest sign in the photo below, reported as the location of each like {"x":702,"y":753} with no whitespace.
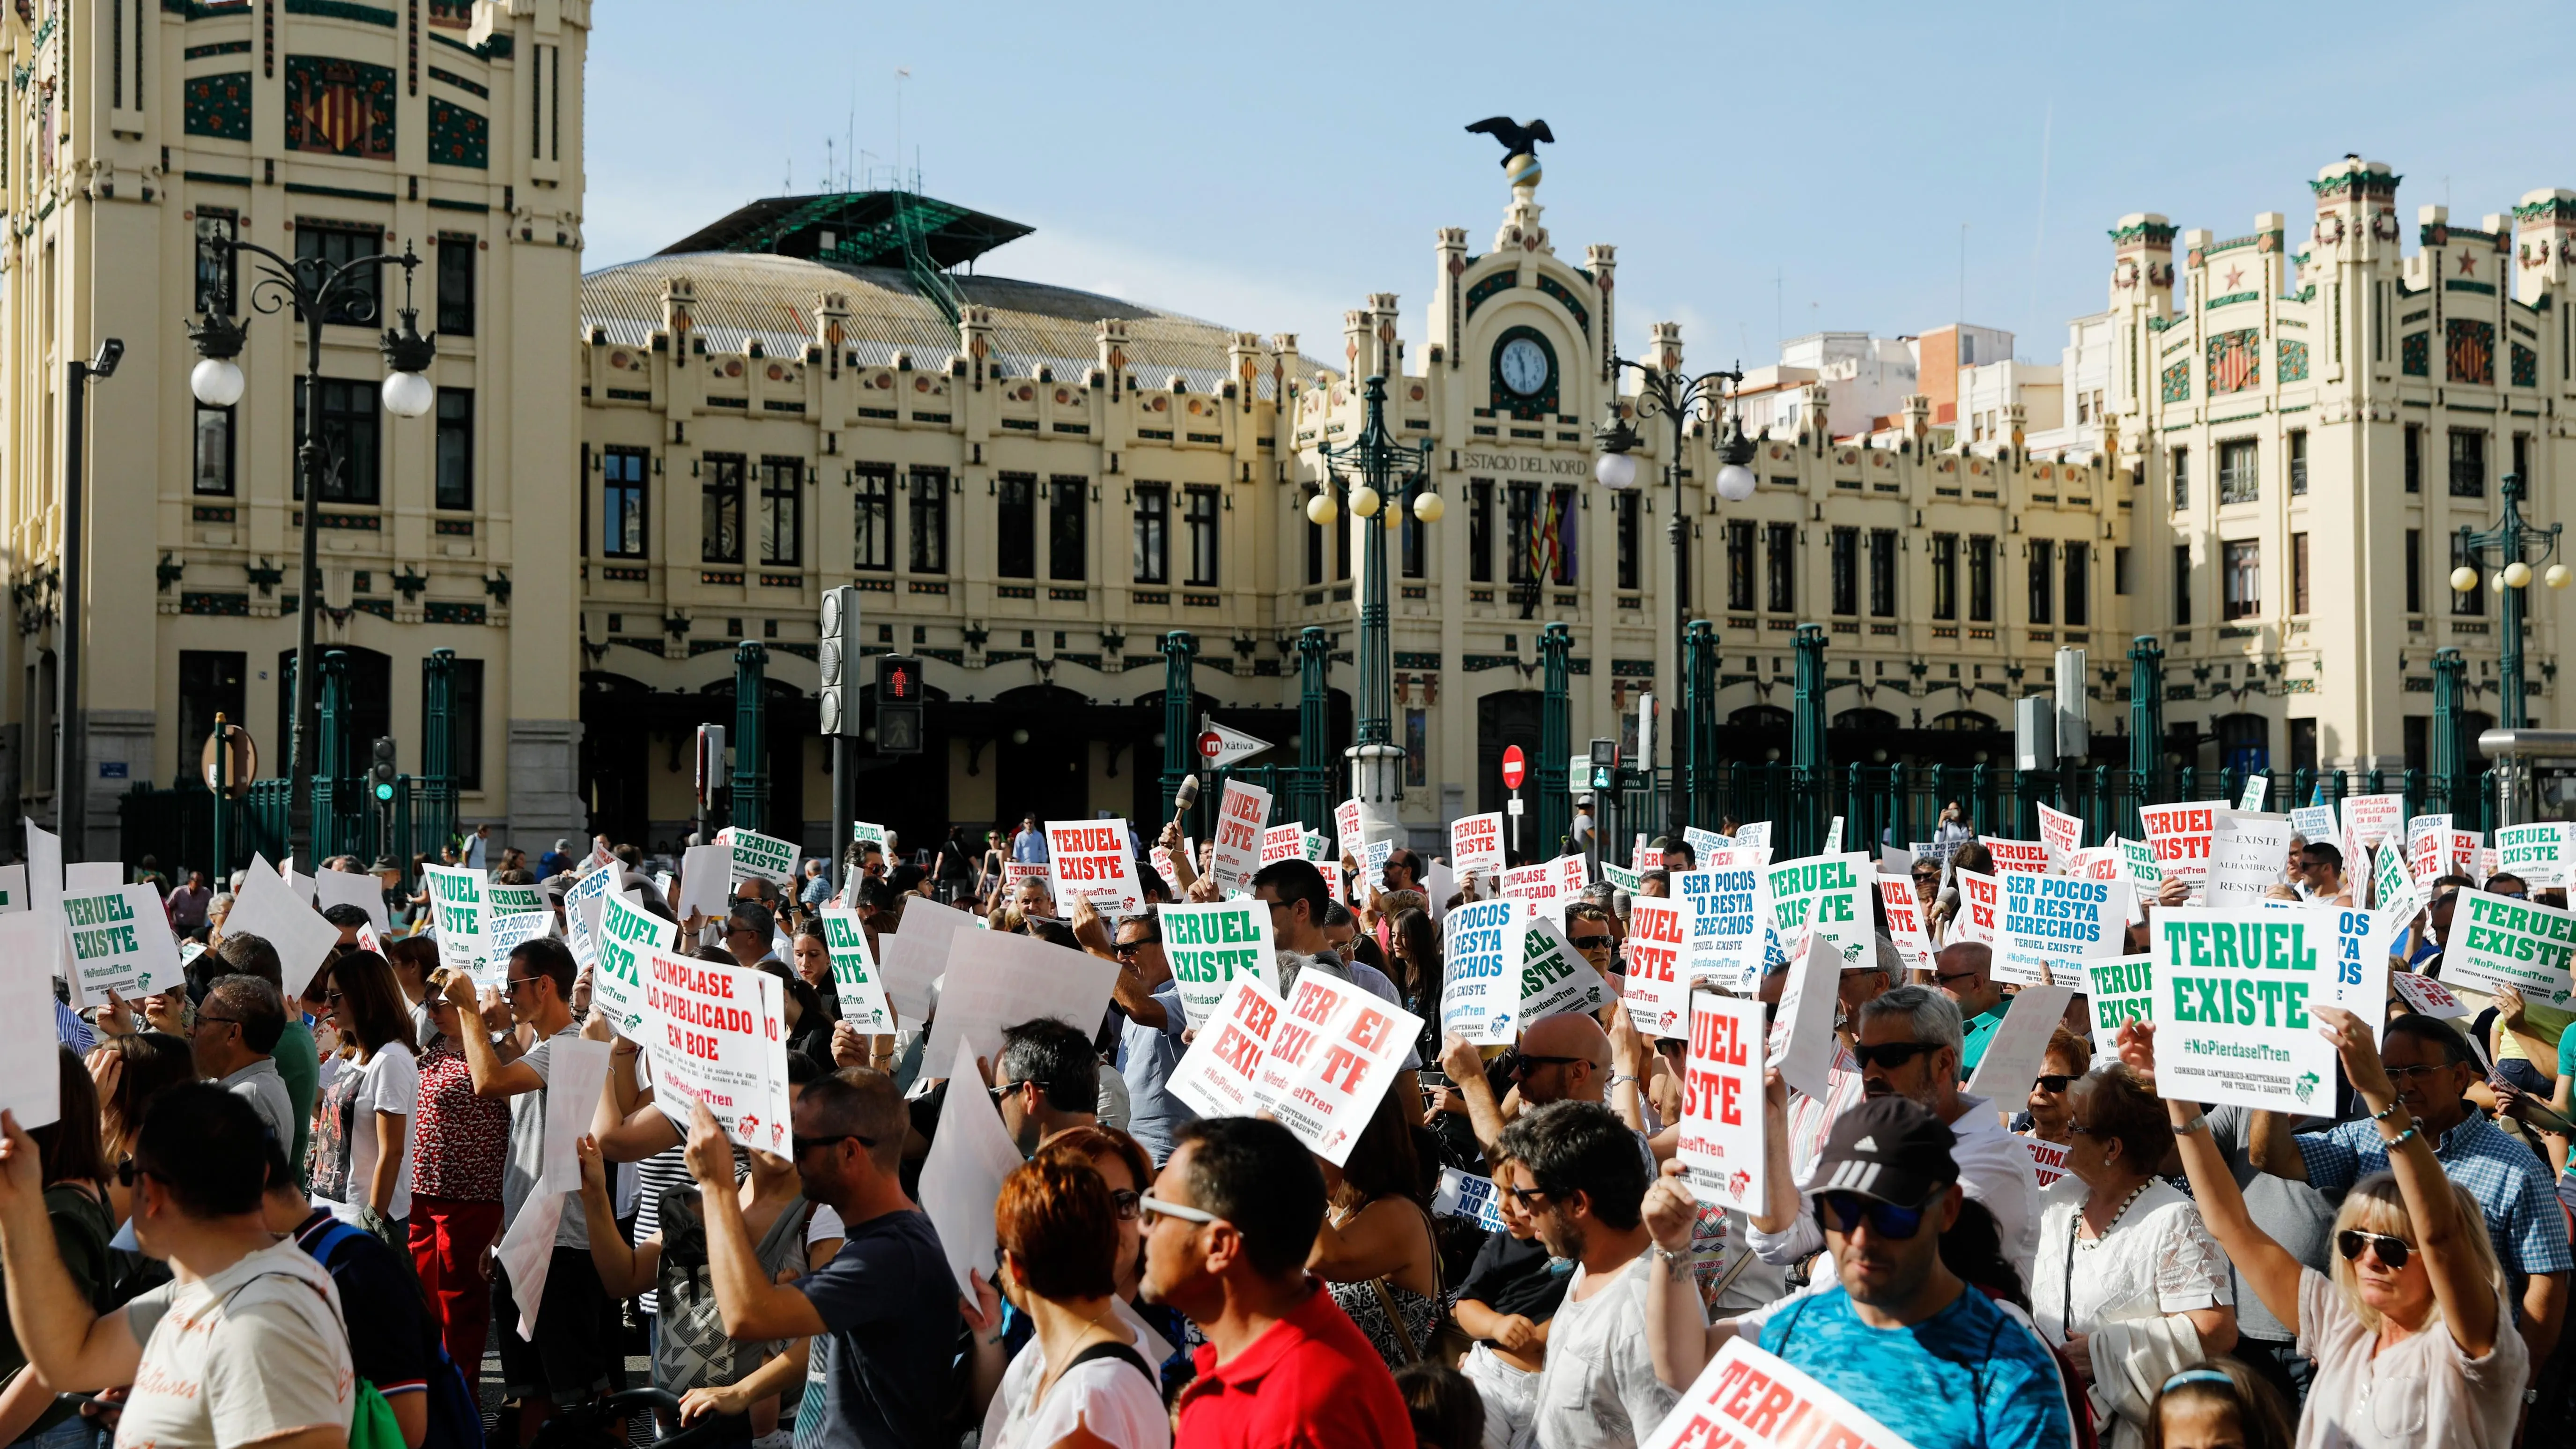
{"x":1464,"y":1195}
{"x":717,"y":1034}
{"x":2313,"y":823}
{"x":267,"y":909}
{"x":1721,"y":1143}
{"x":583,"y":903}
{"x":2014,"y":1053}
{"x":2047,"y":1158}
{"x":95,"y":877}
{"x":962,"y":1178}
{"x":45,"y":896}
{"x":120,"y":942}
{"x":1439,"y":882}
{"x":1657,"y":989}
{"x":2118,"y":990}
{"x":1728,"y":910}
{"x":867,"y":832}
{"x":505,"y":900}
{"x":2180,"y":835}
{"x":855,"y":979}
{"x":2426,"y":996}
{"x":2364,"y":940}
{"x":2233,"y":988}
{"x":2256,"y":785}
{"x":706,"y":881}
{"x":30,"y":1058}
{"x":1802,"y":1031}
{"x":2050,"y":922}
{"x":1220,"y":1075}
{"x":2138,"y":862}
{"x":1573,"y":874}
{"x":1824,"y":894}
{"x":1701,"y":842}
{"x":1476,"y":843}
{"x":1621,"y":877}
{"x":1373,"y":859}
{"x":2022,"y":855}
{"x":2428,"y":837}
{"x":503,"y":934}
{"x":624,"y":945}
{"x":1334,"y":885}
{"x":349,"y":888}
{"x":1240,"y":819}
{"x":1214,"y":945}
{"x":1749,"y":1399}
{"x":576,"y":1068}
{"x":1090,"y":861}
{"x":1482,"y":945}
{"x":13,"y":888}
{"x":2535,"y":852}
{"x":1555,"y":979}
{"x":751,"y":855}
{"x":997,"y":979}
{"x":2247,"y":855}
{"x":2392,"y":885}
{"x":2496,"y":941}
{"x":2370,"y":819}
{"x":1283,"y":842}
{"x":1981,"y":910}
{"x":1834,"y":837}
{"x":1332,"y":1055}
{"x":1905,"y":922}
{"x":1350,"y":823}
{"x":1535,"y":884}
{"x":2467,"y":857}
{"x":916,"y":953}
{"x":2060,"y":834}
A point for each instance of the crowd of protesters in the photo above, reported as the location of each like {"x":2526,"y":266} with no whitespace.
{"x":271,"y":1207}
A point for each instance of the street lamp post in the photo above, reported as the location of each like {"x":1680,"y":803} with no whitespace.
{"x":1665,"y":392}
{"x":2512,"y":547}
{"x":1389,"y":471}
{"x":320,"y":291}
{"x":71,"y":736}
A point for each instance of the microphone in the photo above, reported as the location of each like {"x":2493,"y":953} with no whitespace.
{"x":1186,"y":796}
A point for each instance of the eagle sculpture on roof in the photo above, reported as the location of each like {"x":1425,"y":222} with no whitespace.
{"x":1517,"y":139}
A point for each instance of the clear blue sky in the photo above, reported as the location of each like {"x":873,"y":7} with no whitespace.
{"x":1761,"y":172}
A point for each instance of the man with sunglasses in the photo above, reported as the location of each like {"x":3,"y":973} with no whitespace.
{"x":238,"y":1027}
{"x":1562,"y":1058}
{"x":1898,"y":1334}
{"x":1587,"y":930}
{"x":1046,"y":1081}
{"x":1149,"y":1040}
{"x":2433,"y":1067}
{"x":1907,"y":1044}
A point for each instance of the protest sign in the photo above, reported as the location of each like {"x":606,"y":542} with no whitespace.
{"x":13,"y":888}
{"x":625,"y":942}
{"x":577,"y":1067}
{"x":998,"y":978}
{"x":45,"y":893}
{"x":2247,"y":857}
{"x":2370,"y":819}
{"x":855,"y":978}
{"x":912,"y":958}
{"x":1724,"y":902}
{"x":2392,"y":885}
{"x":1757,"y":833}
{"x":1703,"y":842}
{"x":2014,"y":1053}
{"x":1802,"y":1032}
{"x":1481,"y":943}
{"x":95,"y":877}
{"x":1240,"y":820}
{"x":1089,"y":860}
{"x":1351,"y":825}
{"x":1533,"y":883}
{"x":2536,"y":852}
{"x":2486,"y":861}
{"x":2062,"y":834}
{"x":2023,"y":855}
{"x":457,"y":904}
{"x":1834,"y":837}
{"x":349,"y":888}
{"x":718,"y":1034}
{"x":583,"y":904}
{"x":1439,"y":882}
{"x":30,"y":1058}
{"x":1905,"y":922}
{"x":2118,"y":990}
{"x":1981,"y":910}
{"x":1476,"y":843}
{"x":1657,"y":989}
{"x":1722,"y":1118}
{"x":962,"y":1178}
{"x":2313,"y":823}
{"x":1283,"y":842}
{"x":2496,"y":941}
{"x":706,"y":881}
{"x":2233,"y":988}
{"x":2180,"y":835}
{"x":2419,"y":826}
{"x":1220,"y":1074}
{"x":1334,"y":886}
{"x":1373,"y":859}
{"x":2138,"y":863}
{"x":1465,"y":1195}
{"x":867,"y":832}
{"x":2467,"y":858}
{"x":2363,"y":942}
{"x":1332,"y":1055}
{"x":2428,"y":838}
{"x":2051,"y":922}
{"x":2048,"y":1158}
{"x":1317,"y":847}
{"x":504,"y":900}
{"x":1555,"y":979}
{"x":1823,"y":895}
{"x":2256,"y":786}
{"x":267,"y":908}
{"x":754,"y":856}
{"x":1161,"y":856}
{"x":505,"y":933}
{"x":120,"y":942}
{"x":1211,"y":946}
{"x":1573,"y":875}
{"x":2098,"y":862}
{"x":1749,"y":1399}
{"x":2427,"y":996}
{"x":1620,"y":877}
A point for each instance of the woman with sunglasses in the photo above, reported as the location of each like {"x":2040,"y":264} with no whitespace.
{"x":360,"y":1162}
{"x":2048,"y":1115}
{"x":2127,"y":1281}
{"x":2411,"y":1336}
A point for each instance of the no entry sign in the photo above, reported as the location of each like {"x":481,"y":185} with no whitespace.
{"x":1513,"y":768}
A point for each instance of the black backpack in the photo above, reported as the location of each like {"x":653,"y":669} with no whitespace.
{"x":455,"y":1418}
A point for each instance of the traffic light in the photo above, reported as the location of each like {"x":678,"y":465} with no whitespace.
{"x":898,"y":705}
{"x":381,"y":770}
{"x":839,"y":699}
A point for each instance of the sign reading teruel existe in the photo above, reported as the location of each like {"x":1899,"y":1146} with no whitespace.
{"x":2232,"y":990}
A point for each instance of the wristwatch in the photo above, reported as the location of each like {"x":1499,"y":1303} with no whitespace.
{"x":2199,"y":1123}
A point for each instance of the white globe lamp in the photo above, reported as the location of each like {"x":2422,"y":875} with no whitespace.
{"x":1735,"y":482}
{"x":1616,"y":470}
{"x":408,"y":394}
{"x":1321,"y":510}
{"x":216,"y":382}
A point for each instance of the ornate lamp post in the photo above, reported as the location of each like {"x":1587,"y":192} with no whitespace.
{"x":319,"y":291}
{"x":1665,"y":392}
{"x":1389,"y":472}
{"x":2511,"y":548}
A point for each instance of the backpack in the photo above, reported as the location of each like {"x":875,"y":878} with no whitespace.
{"x":694,"y":1350}
{"x":455,"y":1417}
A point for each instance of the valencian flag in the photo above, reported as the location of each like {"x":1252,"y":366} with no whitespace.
{"x":1549,"y":517}
{"x":2472,"y":351}
{"x":2234,"y":364}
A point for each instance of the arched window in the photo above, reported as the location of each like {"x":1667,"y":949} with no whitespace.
{"x":1966,"y":721}
{"x":1865,"y":719}
{"x":1760,"y":717}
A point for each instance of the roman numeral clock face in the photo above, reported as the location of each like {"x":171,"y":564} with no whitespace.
{"x":1523,"y":365}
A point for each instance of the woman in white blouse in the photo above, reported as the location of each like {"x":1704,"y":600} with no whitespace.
{"x":2128,"y":1280}
{"x":1088,"y":1374}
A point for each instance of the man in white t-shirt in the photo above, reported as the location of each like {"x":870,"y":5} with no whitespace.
{"x":245,"y":1346}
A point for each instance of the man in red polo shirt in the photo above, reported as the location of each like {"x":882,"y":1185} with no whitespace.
{"x":1227,"y":1230}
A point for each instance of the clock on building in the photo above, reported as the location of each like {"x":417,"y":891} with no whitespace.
{"x":1524,"y":378}
{"x":1524,"y":366}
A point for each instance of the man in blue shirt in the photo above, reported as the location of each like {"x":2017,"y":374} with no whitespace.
{"x":1149,"y":1044}
{"x":1905,"y":1340}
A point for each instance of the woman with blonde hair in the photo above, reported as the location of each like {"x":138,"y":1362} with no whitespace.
{"x":2412,"y":1338}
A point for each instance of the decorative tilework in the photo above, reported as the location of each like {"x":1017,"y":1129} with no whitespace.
{"x":471,"y":88}
{"x":2526,"y":366}
{"x":2294,"y":361}
{"x":1492,"y":286}
{"x":458,"y":137}
{"x":218,"y":105}
{"x":339,"y":107}
{"x":2469,"y":350}
{"x":2177,"y":382}
{"x":2235,"y":361}
{"x":344,"y":10}
{"x":2415,"y":354}
{"x":1550,"y":286}
{"x":220,"y":47}
{"x":452,"y":14}
{"x":192,"y":602}
{"x":440,"y":611}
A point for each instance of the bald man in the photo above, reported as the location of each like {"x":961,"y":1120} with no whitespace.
{"x":1964,"y":970}
{"x":1560,"y":1059}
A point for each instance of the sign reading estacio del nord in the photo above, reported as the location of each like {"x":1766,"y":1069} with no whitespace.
{"x":1524,"y":465}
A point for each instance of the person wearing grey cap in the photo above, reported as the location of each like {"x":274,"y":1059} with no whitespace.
{"x":1898,"y":1333}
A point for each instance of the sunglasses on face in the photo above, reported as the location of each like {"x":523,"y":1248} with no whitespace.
{"x":1522,"y":1066}
{"x":1844,"y":1212}
{"x":1153,"y":1210}
{"x":1589,"y":943}
{"x":1129,"y":948}
{"x":2392,"y":1251}
{"x":2052,"y":1083}
{"x":1004,"y":1090}
{"x":2410,"y":1073}
{"x":1891,"y":1055}
{"x":799,"y":1146}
